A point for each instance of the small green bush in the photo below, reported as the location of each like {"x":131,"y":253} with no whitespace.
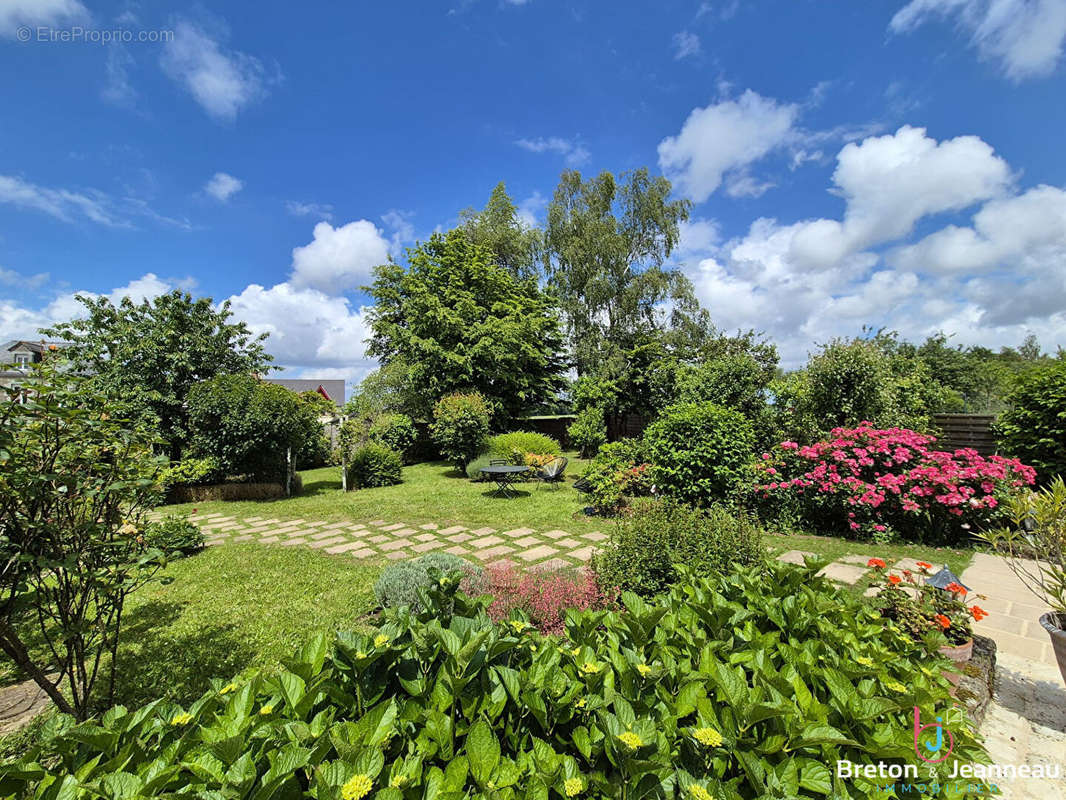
{"x":473,"y":469}
{"x":504,"y":444}
{"x":656,"y":536}
{"x":700,"y":452}
{"x":174,"y":534}
{"x":1033,"y":428}
{"x":395,"y":431}
{"x":374,"y":465}
{"x":460,"y":425}
{"x":189,"y":472}
{"x":619,"y":472}
{"x":399,"y":583}
{"x":588,"y":432}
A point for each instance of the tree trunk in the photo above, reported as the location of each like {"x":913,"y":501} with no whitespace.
{"x":12,"y":645}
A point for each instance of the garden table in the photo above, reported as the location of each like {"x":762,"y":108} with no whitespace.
{"x":504,"y":477}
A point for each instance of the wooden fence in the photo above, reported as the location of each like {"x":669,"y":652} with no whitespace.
{"x":966,"y":430}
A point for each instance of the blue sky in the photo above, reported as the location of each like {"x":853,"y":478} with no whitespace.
{"x":882,"y":163}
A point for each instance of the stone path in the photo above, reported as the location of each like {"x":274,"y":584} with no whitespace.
{"x":397,"y":540}
{"x":20,"y":703}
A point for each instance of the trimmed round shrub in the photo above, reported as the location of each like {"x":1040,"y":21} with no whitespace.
{"x":395,"y":431}
{"x":656,"y":536}
{"x":699,"y":452}
{"x":588,"y":432}
{"x":1033,"y":428}
{"x":460,"y":425}
{"x":174,"y":535}
{"x":504,"y":444}
{"x":399,"y":583}
{"x":374,"y":465}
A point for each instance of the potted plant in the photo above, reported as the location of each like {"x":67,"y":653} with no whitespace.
{"x":919,"y":608}
{"x":1034,"y":543}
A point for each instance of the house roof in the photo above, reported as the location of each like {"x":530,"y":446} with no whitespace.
{"x":38,"y":346}
{"x":330,"y":389}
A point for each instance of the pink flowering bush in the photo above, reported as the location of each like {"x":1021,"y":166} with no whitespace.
{"x":873,"y":483}
{"x":544,"y":595}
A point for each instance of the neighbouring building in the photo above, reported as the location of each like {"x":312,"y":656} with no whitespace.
{"x":18,"y":355}
{"x":332,"y":390}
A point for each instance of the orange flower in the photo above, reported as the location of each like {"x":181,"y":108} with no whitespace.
{"x":943,"y":621}
{"x":924,"y":564}
{"x":894,"y":579}
{"x":877,"y":563}
{"x":956,"y":588}
{"x":978,"y":613}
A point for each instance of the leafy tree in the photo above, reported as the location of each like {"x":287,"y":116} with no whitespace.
{"x":75,"y":483}
{"x":248,"y":427}
{"x":588,"y":432}
{"x":606,"y":244}
{"x":460,"y":427}
{"x":148,"y":355}
{"x":459,"y":321}
{"x":498,"y":228}
{"x":1033,"y":428}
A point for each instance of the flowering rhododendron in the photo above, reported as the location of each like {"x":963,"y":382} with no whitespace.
{"x":876,"y":481}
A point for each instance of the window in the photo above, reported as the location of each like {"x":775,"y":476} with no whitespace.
{"x":22,"y":359}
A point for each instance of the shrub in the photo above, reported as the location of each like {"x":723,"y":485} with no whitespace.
{"x":394,"y":431}
{"x":721,"y":688}
{"x":1033,"y":427}
{"x":174,"y":534}
{"x":374,"y":465}
{"x":473,"y":469}
{"x":657,"y":536}
{"x":399,"y":583}
{"x":543,"y":595}
{"x":189,"y":472}
{"x":619,"y":472}
{"x":505,"y":444}
{"x":875,"y":483}
{"x":588,"y":432}
{"x":460,"y":425}
{"x":699,"y":452}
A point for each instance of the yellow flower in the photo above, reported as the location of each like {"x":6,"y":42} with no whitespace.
{"x":630,"y":740}
{"x":699,"y":793}
{"x":360,"y":654}
{"x":229,"y":687}
{"x":575,"y":652}
{"x":866,"y":662}
{"x":590,"y":668}
{"x":381,"y":640}
{"x":708,"y":737}
{"x":358,"y":787}
{"x":644,"y":669}
{"x":580,"y":703}
{"x":399,"y":781}
{"x":517,"y":625}
{"x":896,"y":686}
{"x":267,"y":709}
{"x":573,"y":787}
{"x":181,"y":719}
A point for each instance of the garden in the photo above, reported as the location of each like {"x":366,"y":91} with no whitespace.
{"x":408,"y":644}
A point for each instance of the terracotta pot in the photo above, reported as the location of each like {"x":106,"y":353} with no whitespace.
{"x":1053,"y":624}
{"x":960,"y":654}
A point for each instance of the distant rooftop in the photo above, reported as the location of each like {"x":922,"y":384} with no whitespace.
{"x":330,"y":389}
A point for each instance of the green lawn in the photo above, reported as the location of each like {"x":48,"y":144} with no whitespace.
{"x":228,"y":609}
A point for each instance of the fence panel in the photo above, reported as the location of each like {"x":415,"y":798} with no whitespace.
{"x":966,"y":430}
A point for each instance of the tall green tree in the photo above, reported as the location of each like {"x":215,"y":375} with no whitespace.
{"x":498,"y":227}
{"x":606,"y":245}
{"x":146,"y":356}
{"x":460,"y":321}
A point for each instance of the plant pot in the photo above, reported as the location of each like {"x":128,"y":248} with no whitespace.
{"x":1053,"y":624}
{"x":960,"y":653}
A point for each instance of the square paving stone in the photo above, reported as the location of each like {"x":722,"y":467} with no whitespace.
{"x":861,"y":561}
{"x":457,"y":550}
{"x":486,"y":541}
{"x":569,"y":543}
{"x":323,"y":535}
{"x":794,"y":556}
{"x":584,"y":554}
{"x":327,"y":542}
{"x":396,"y":555}
{"x":452,"y":529}
{"x":518,"y":533}
{"x":335,"y":525}
{"x":529,"y":541}
{"x":382,"y":539}
{"x":595,"y":536}
{"x":402,"y":533}
{"x":909,"y":564}
{"x":213,"y":542}
{"x":425,"y":547}
{"x":376,"y":523}
{"x":459,"y":538}
{"x":346,"y":547}
{"x":426,"y":537}
{"x":537,"y":553}
{"x":429,"y":526}
{"x":269,"y":540}
{"x":492,"y":552}
{"x":552,"y":564}
{"x":292,"y":542}
{"x":484,"y":531}
{"x":387,"y":546}
{"x":244,"y":538}
{"x":253,"y":519}
{"x":366,"y":552}
{"x":394,"y":527}
{"x":842,"y":573}
{"x":556,"y":534}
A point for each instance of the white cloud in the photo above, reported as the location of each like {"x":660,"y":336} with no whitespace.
{"x":64,"y":204}
{"x":222,"y":82}
{"x":320,"y":210}
{"x":223,"y":186}
{"x":14,"y":13}
{"x":8,"y":277}
{"x":529,"y":209}
{"x":722,"y":138}
{"x":1025,"y":36}
{"x":686,"y":44}
{"x":572,"y":150}
{"x":118,"y":89}
{"x":338,"y":259}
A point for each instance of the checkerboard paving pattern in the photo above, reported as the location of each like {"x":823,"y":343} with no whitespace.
{"x":392,"y":540}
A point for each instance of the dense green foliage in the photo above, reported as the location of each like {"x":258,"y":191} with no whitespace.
{"x":460,"y":427}
{"x":174,"y":535}
{"x":505,"y":445}
{"x":402,"y":583}
{"x":75,"y":484}
{"x":619,"y":472}
{"x":461,"y":322}
{"x":1033,"y":427}
{"x":588,"y":432}
{"x":699,"y":452}
{"x":189,"y":472}
{"x":249,"y":427}
{"x":739,"y":688}
{"x":499,"y":229}
{"x":373,"y":465}
{"x":395,"y":431}
{"x":654,"y":537}
{"x":147,"y":356}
